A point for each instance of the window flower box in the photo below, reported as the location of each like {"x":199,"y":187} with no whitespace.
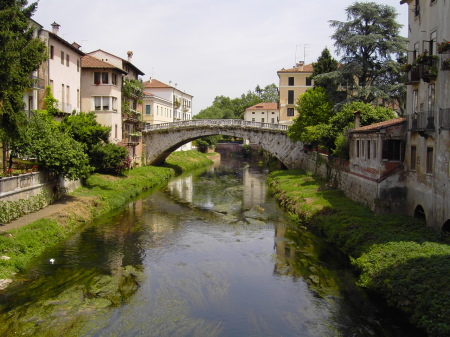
{"x":406,"y":67}
{"x":445,"y":64}
{"x":443,"y":46}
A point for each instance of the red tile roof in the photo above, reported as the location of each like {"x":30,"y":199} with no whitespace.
{"x":91,"y":62}
{"x":264,"y":106}
{"x":381,"y":125}
{"x":123,"y":60}
{"x":155,"y":84}
{"x":307,"y":68}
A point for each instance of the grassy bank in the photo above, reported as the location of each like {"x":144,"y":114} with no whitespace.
{"x":398,"y":257}
{"x":100,"y":195}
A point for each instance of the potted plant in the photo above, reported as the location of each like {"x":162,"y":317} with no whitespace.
{"x":422,"y":58}
{"x":443,"y":46}
{"x":445,"y":64}
{"x":406,"y":67}
{"x":429,"y":74}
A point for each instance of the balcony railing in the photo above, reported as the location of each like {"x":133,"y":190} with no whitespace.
{"x":413,"y":75}
{"x":65,"y":107}
{"x":37,"y":83}
{"x":444,"y":119}
{"x":421,"y":121}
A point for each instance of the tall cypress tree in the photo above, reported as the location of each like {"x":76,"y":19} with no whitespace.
{"x":20,"y":54}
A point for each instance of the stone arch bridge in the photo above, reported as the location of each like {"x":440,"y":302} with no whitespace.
{"x":160,"y":140}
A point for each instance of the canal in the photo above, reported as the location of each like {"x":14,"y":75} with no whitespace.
{"x":210,"y":254}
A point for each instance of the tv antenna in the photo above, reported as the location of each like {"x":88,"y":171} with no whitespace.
{"x":305,"y":53}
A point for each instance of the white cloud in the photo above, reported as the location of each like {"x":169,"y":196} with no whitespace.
{"x":208,"y":47}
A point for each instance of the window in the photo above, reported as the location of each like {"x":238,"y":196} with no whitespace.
{"x":290,"y":112}
{"x":262,"y":112}
{"x":67,"y":94}
{"x":415,"y":50}
{"x":368,"y":149}
{"x":115,"y":131}
{"x":67,"y":59}
{"x":52,"y":52}
{"x":147,"y":109}
{"x":308,"y":81}
{"x":101,"y":78}
{"x":78,"y":65}
{"x":114,"y":79}
{"x":253,"y":112}
{"x":429,"y":160}
{"x":413,"y":158}
{"x":291,"y":81}
{"x":374,"y":149}
{"x":253,"y":119}
{"x":432,"y":43}
{"x":97,"y":78}
{"x":101,"y":103}
{"x":417,"y":8}
{"x":262,"y":120}
{"x":392,"y":149}
{"x":78,"y":98}
{"x":63,"y":96}
{"x":272,"y":120}
{"x":114,"y":103}
{"x":290,"y":96}
{"x":105,"y":78}
{"x":362,"y":148}
{"x":62,"y":57}
{"x":431,"y":99}
{"x":415,"y":101}
{"x":357,"y":149}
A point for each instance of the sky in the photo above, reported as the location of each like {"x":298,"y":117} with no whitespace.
{"x":207,"y":48}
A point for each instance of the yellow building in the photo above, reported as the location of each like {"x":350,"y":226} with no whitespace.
{"x":293,"y":83}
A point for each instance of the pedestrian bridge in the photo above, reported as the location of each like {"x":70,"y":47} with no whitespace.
{"x":160,"y":140}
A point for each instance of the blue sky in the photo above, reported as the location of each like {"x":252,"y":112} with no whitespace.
{"x":208,"y":47}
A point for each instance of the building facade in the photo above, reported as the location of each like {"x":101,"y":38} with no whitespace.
{"x":293,"y":82}
{"x":157,"y":110}
{"x":427,"y":159}
{"x":101,"y":84}
{"x":130,"y":99}
{"x":62,"y":71}
{"x":181,"y":101}
{"x":263,"y":113}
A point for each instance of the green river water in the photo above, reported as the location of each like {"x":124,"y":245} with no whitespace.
{"x":210,"y":254}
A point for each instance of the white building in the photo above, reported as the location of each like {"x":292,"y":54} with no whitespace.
{"x":263,"y":113}
{"x":62,"y":71}
{"x":181,"y":101}
{"x":157,"y":110}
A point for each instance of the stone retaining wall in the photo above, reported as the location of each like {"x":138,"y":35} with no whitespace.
{"x":27,"y":185}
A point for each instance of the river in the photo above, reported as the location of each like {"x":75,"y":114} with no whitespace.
{"x":210,"y":254}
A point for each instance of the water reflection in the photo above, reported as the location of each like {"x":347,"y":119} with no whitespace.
{"x":208,"y":255}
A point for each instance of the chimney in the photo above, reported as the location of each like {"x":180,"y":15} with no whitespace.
{"x":76,"y":45}
{"x":357,"y":118}
{"x":55,"y":28}
{"x":300,"y":65}
{"x":130,"y":56}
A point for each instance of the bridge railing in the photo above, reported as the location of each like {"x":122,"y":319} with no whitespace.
{"x":202,"y":122}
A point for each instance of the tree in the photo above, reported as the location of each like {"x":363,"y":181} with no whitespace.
{"x":325,"y":64}
{"x":369,"y":42}
{"x":20,"y":54}
{"x":85,"y":129}
{"x":315,"y":109}
{"x":55,"y":151}
{"x":109,"y":158}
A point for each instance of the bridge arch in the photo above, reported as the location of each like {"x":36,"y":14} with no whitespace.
{"x":161,"y":140}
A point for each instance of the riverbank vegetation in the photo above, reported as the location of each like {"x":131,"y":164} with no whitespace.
{"x":100,"y":194}
{"x":397,"y":257}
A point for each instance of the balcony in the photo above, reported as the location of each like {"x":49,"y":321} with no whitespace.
{"x":421,"y":121}
{"x":37,"y":83}
{"x":413,"y":75}
{"x":65,"y":107}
